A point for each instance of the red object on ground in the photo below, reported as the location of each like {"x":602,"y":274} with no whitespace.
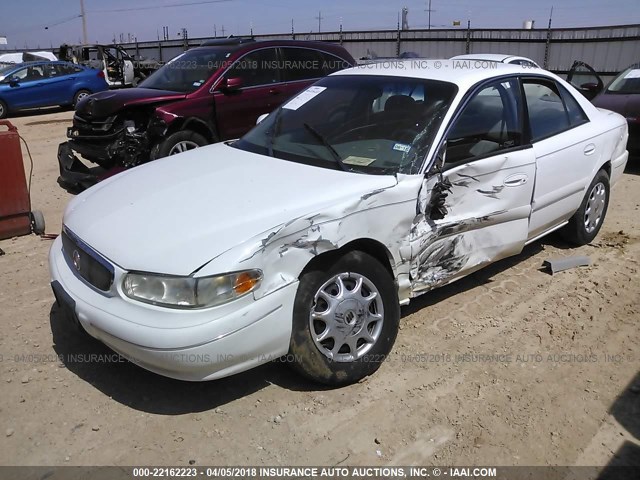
{"x":15,"y":206}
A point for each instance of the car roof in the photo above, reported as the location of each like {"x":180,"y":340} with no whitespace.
{"x":441,"y":70}
{"x":492,"y":57}
{"x":254,"y":45}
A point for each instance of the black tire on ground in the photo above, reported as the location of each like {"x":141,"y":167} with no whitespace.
{"x":37,"y":222}
{"x":348,"y":317}
{"x":80,"y":94}
{"x":178,"y":142}
{"x":4,"y":111}
{"x":587,"y":221}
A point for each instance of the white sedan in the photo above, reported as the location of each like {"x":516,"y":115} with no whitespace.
{"x":303,"y":238}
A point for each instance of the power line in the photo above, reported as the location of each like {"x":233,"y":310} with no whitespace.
{"x":156,"y":7}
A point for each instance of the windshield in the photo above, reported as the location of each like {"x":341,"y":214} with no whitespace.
{"x":627,"y":82}
{"x":189,"y":71}
{"x":361,"y":123}
{"x":5,"y":69}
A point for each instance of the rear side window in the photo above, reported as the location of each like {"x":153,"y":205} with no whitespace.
{"x":302,"y":64}
{"x":550,"y":111}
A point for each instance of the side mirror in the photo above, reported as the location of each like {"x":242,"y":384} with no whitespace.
{"x":231,"y":85}
{"x":14,"y":81}
{"x":590,"y":86}
{"x":261,"y":118}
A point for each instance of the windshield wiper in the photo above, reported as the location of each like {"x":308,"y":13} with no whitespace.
{"x":326,"y":143}
{"x":273,"y":133}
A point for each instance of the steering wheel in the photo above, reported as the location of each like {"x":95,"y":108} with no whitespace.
{"x":405,"y":135}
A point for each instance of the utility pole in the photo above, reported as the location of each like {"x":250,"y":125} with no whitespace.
{"x":84,"y":22}
{"x":319,"y":17}
{"x":548,"y":42}
{"x":429,"y":10}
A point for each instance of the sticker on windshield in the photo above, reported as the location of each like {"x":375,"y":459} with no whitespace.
{"x":197,"y":84}
{"x":635,"y":73}
{"x":362,"y":161}
{"x":309,"y":94}
{"x":402,"y":147}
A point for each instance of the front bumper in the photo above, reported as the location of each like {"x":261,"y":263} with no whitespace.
{"x":75,"y":176}
{"x":186,"y":345}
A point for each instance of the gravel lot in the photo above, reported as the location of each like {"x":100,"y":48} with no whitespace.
{"x":564,"y":391}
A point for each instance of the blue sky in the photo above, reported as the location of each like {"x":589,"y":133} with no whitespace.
{"x":24,"y":21}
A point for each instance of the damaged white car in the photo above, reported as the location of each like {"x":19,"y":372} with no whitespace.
{"x":304,"y":237}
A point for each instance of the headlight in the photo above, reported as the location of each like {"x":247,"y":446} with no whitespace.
{"x":189,"y":292}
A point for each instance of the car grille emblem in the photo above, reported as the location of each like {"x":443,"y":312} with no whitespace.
{"x":76,"y":260}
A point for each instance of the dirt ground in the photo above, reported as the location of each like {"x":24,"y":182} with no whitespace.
{"x":510,"y":366}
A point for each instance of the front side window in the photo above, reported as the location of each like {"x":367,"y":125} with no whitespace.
{"x":256,"y":68}
{"x":360,"y":123}
{"x":488,"y":124}
{"x":302,"y":64}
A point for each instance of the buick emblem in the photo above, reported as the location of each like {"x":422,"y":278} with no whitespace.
{"x":76,"y":260}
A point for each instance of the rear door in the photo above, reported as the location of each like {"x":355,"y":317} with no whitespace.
{"x":567,"y":147}
{"x":485,"y":186}
{"x":303,"y":66}
{"x":59,"y":83}
{"x":585,"y":79}
{"x":261,"y":91}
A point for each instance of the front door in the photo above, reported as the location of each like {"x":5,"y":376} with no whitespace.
{"x":585,"y":79}
{"x":475,"y":209}
{"x":260,"y":92}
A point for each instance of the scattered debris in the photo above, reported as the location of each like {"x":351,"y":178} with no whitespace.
{"x":9,"y":432}
{"x":559,"y":264}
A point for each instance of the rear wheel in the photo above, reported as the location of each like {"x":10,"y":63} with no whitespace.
{"x":79,"y":96}
{"x":4,"y":111}
{"x":345,"y":320}
{"x":178,"y":142}
{"x":587,"y":221}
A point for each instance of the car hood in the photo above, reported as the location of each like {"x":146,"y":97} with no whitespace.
{"x":107,"y":103}
{"x":176,"y":214}
{"x":627,"y":105}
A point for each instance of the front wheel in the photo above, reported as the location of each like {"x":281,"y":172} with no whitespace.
{"x":345,"y":320}
{"x":178,"y":142}
{"x":4,"y":111}
{"x":587,"y":221}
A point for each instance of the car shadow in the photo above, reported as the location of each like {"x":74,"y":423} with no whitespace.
{"x":145,"y":391}
{"x":633,"y":165}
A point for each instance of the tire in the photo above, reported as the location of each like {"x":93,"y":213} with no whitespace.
{"x":4,"y":111}
{"x":587,"y":221}
{"x":80,"y":94}
{"x":327,"y":358}
{"x":178,"y":142}
{"x":37,"y":222}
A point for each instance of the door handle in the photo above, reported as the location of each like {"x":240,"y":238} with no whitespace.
{"x":589,"y":149}
{"x":274,"y":91}
{"x":516,"y":180}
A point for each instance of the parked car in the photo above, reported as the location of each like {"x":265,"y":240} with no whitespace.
{"x":623,"y":96}
{"x":120,"y":69}
{"x":497,"y":57}
{"x":45,"y":84}
{"x":304,"y":237}
{"x":211,"y":93}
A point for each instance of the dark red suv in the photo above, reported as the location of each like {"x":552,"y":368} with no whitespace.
{"x":210,"y":93}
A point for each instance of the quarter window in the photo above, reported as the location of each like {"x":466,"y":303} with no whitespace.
{"x":488,"y":124}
